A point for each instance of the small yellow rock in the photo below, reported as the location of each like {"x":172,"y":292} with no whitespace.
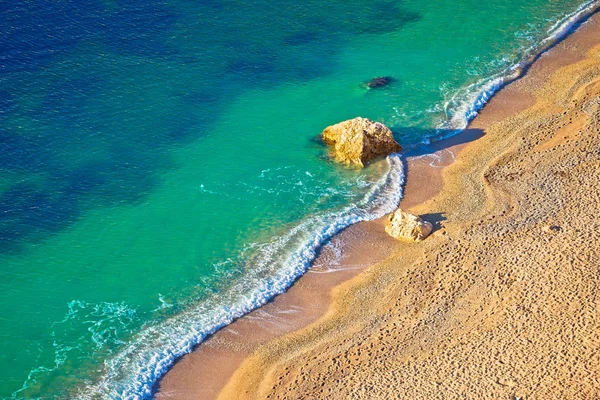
{"x":402,"y":225}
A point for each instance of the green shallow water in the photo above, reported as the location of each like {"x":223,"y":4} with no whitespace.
{"x":152,"y":151}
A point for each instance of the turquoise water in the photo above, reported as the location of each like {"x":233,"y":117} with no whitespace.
{"x":160,"y":174}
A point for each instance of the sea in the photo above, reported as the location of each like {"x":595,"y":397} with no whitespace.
{"x":161,"y":172}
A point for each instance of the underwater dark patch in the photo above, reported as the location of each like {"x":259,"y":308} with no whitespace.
{"x":85,"y":179}
{"x":7,"y":102}
{"x":383,"y":17}
{"x":27,"y":212}
{"x":255,"y":63}
{"x":301,"y":38}
{"x":24,"y":154}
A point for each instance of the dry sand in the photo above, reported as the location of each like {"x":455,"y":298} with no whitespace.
{"x":500,"y":302}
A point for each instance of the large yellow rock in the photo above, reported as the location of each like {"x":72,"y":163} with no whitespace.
{"x":357,"y":141}
{"x":403,"y":225}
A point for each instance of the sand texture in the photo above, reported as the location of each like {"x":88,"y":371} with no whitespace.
{"x":502,"y":300}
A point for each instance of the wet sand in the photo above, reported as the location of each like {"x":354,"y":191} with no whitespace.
{"x":387,"y":312}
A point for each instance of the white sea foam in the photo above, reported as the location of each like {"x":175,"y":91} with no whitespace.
{"x":272,"y":268}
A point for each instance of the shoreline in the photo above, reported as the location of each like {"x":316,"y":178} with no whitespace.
{"x":204,"y":372}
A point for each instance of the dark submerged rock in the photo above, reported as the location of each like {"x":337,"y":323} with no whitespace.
{"x":379,"y":81}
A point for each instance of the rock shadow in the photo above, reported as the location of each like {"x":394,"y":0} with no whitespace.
{"x":411,"y":139}
{"x":436,"y":220}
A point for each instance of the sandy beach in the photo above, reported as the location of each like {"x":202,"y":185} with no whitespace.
{"x":500,"y":302}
